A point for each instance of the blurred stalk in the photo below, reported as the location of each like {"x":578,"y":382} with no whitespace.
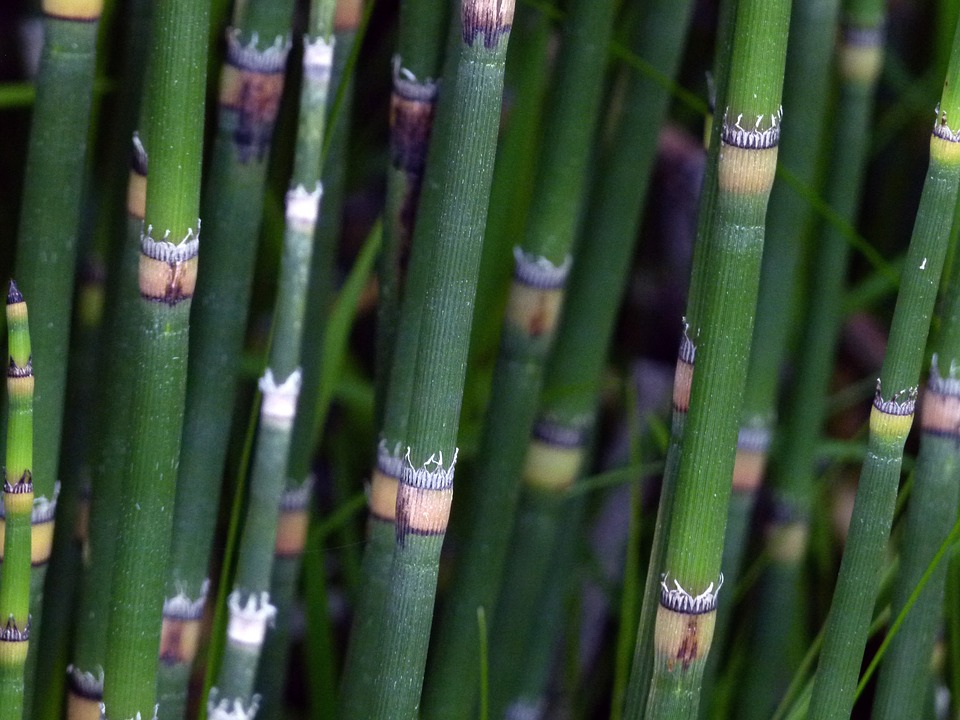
{"x":174,"y":109}
{"x":17,"y":508}
{"x":249,"y":603}
{"x":46,"y":252}
{"x":251,"y":84}
{"x":778,"y":636}
{"x":891,"y":418}
{"x":542,"y":266}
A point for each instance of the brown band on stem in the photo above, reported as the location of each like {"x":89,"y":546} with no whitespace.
{"x":77,"y":10}
{"x":753,"y":442}
{"x":787,"y":542}
{"x":19,"y":386}
{"x":251,"y":84}
{"x":294,"y":519}
{"x":81,"y":526}
{"x":860,"y":58}
{"x":682,"y":639}
{"x":383,"y":496}
{"x":346,"y":16}
{"x":683,"y":375}
{"x":536,"y":293}
{"x":412,"y":107}
{"x":422,"y":511}
{"x":168,"y":272}
{"x":179,"y":640}
{"x":940,"y":410}
{"x":137,"y":180}
{"x":41,"y":542}
{"x":490,"y":18}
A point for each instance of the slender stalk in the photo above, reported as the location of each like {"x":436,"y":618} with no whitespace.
{"x":249,"y":603}
{"x":542,"y":266}
{"x":85,"y":681}
{"x":167,"y":278}
{"x":47,"y":239}
{"x":807,"y":79}
{"x":891,"y":418}
{"x":453,"y":211}
{"x":777,"y":639}
{"x":17,"y":508}
{"x":720,"y":314}
{"x":251,"y":84}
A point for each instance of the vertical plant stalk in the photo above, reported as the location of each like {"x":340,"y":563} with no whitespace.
{"x":807,"y":79}
{"x":778,"y":634}
{"x":249,"y":602}
{"x":720,"y":312}
{"x":17,"y":508}
{"x":85,"y":674}
{"x":413,"y":102}
{"x":46,"y":253}
{"x":251,"y":84}
{"x":891,"y":417}
{"x":453,"y":211}
{"x":167,"y":277}
{"x":542,"y":265}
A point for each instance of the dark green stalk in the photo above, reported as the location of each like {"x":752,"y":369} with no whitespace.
{"x":249,"y":603}
{"x":308,"y":427}
{"x":536,"y":295}
{"x":453,"y":210}
{"x":85,"y":674}
{"x":251,"y":84}
{"x":777,"y":637}
{"x":85,"y":683}
{"x":167,"y":275}
{"x":723,"y":296}
{"x":17,"y":508}
{"x":412,"y":105}
{"x":555,"y":452}
{"x":46,"y":254}
{"x":891,"y":418}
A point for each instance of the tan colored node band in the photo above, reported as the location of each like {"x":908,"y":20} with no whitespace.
{"x":940,"y":413}
{"x":179,"y":640}
{"x":682,"y":639}
{"x":137,"y":195}
{"x":746,"y":171}
{"x":534,"y":310}
{"x":383,"y":496}
{"x":423,"y":511}
{"x":165,"y":281}
{"x":82,"y":708}
{"x":787,"y":543}
{"x":291,"y":532}
{"x":748,"y":470}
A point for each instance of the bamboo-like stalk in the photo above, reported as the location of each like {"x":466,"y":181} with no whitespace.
{"x":413,"y":107}
{"x":249,"y":602}
{"x":453,"y":211}
{"x":536,"y":295}
{"x":720,"y":314}
{"x":891,"y":417}
{"x":167,"y":276}
{"x":85,"y":681}
{"x":807,"y":78}
{"x":777,"y":638}
{"x":251,"y":84}
{"x":557,"y":444}
{"x":47,"y":238}
{"x":17,"y":509}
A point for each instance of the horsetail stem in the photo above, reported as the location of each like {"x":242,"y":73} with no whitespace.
{"x":251,"y":83}
{"x":249,"y":603}
{"x":453,"y":210}
{"x":542,"y":265}
{"x":791,"y":481}
{"x":166,"y":280}
{"x":891,"y":416}
{"x":17,"y":509}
